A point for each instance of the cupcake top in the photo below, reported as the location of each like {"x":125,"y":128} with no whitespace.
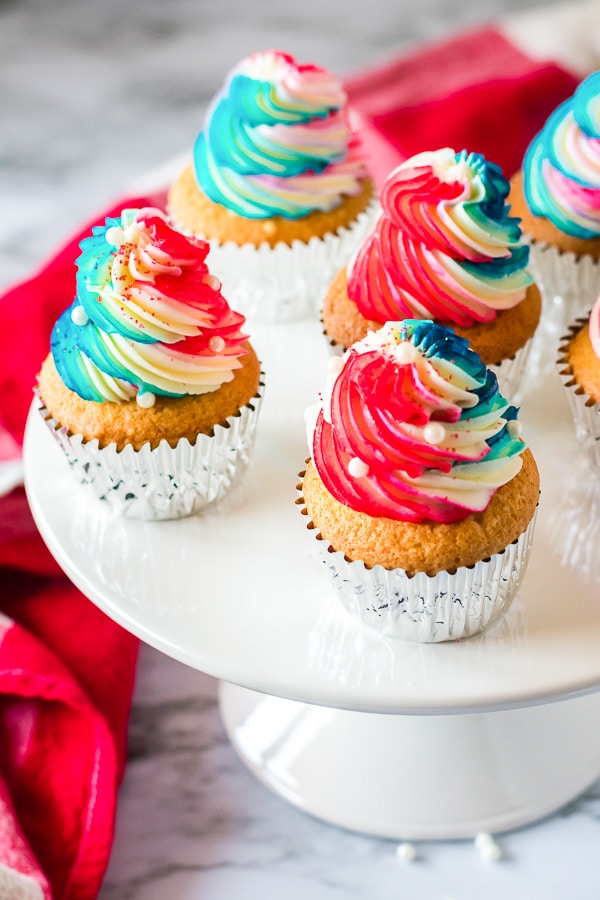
{"x":561,"y":168}
{"x":412,"y":427}
{"x":444,"y":246}
{"x":276,"y":140}
{"x":148,"y":317}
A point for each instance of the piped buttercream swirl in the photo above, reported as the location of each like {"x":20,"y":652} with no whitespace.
{"x":277,"y":141}
{"x":444,"y":246}
{"x":561,"y":168}
{"x":148,"y":317}
{"x":412,"y":427}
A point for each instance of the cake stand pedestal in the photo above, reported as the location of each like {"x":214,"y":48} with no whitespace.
{"x":417,"y":777}
{"x":382,"y":736}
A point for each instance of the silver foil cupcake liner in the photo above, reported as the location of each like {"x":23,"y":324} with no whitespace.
{"x":286,"y":282}
{"x":425,"y":608}
{"x":510,"y":372}
{"x":165,"y":482}
{"x":569,"y":284}
{"x":585,"y":412}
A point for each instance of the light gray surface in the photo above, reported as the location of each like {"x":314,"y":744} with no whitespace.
{"x":93,"y":94}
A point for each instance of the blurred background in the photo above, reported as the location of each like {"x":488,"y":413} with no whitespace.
{"x":94,"y":93}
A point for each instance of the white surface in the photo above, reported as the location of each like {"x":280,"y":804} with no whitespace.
{"x":238,"y":592}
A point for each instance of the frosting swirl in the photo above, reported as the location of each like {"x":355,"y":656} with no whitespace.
{"x":413,"y":427}
{"x":444,"y":246}
{"x":148,"y":317}
{"x":561,"y":168}
{"x":276,"y":140}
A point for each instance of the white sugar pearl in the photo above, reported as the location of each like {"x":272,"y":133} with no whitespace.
{"x":406,"y":852}
{"x":405,"y":353}
{"x":488,"y":848}
{"x":79,"y":316}
{"x":434,"y":432}
{"x":357,"y":468}
{"x":145,"y":399}
{"x":216,"y":344}
{"x":114,"y":236}
{"x":514,"y":428}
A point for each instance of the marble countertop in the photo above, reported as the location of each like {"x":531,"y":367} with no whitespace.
{"x":93,"y":95}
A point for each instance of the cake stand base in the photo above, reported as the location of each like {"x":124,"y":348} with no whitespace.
{"x":412,"y":777}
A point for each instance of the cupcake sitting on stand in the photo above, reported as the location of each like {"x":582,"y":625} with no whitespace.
{"x":557,"y":196}
{"x":278,"y":186}
{"x":419,"y":488}
{"x":151,"y":387}
{"x":444,"y":247}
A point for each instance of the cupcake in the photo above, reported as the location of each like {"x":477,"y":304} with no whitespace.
{"x":277,"y":185}
{"x":557,"y":196}
{"x":443,"y":248}
{"x":579,"y":367}
{"x":151,"y":387}
{"x":419,"y":487}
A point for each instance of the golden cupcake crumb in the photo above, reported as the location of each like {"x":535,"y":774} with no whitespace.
{"x":170,"y":419}
{"x":428,"y":547}
{"x":195,"y":212}
{"x":494,"y":341}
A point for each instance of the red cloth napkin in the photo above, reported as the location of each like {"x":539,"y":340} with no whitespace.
{"x":476,"y":91}
{"x":66,"y":671}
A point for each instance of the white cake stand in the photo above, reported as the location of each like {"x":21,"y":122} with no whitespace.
{"x":391,"y":738}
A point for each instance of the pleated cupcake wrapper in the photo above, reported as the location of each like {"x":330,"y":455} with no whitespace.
{"x":165,"y":482}
{"x":510,"y":372}
{"x":425,"y":608}
{"x":569,"y":284}
{"x":585,"y":412}
{"x":286,"y":282}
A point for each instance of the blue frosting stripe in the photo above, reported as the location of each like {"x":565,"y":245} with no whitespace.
{"x":237,"y":158}
{"x":434,"y":340}
{"x":546,"y":148}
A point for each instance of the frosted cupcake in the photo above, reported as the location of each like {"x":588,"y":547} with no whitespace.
{"x":151,"y":387}
{"x":277,"y":185}
{"x":443,"y":248}
{"x":579,"y":366}
{"x":419,"y":486}
{"x":557,"y":196}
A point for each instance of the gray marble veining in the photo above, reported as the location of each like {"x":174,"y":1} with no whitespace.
{"x":93,"y":94}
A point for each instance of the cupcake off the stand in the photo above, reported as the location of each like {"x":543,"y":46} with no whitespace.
{"x":277,"y":184}
{"x":420,"y":490}
{"x":444,"y":247}
{"x":557,"y":196}
{"x":151,"y":387}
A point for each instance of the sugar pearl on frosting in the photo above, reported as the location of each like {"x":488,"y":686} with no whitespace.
{"x":145,"y":399}
{"x":405,"y":353}
{"x":434,"y":432}
{"x":216,"y":344}
{"x":357,"y":468}
{"x":514,"y":428}
{"x":79,"y":316}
